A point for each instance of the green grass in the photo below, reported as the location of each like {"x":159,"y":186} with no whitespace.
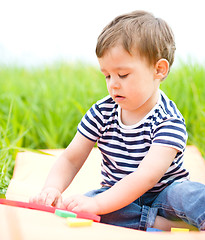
{"x":49,"y":102}
{"x":41,"y":108}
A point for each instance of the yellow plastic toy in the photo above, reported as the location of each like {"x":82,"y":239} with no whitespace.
{"x":78,"y":222}
{"x":179,"y":230}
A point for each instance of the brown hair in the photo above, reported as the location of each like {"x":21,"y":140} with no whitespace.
{"x":141,"y":33}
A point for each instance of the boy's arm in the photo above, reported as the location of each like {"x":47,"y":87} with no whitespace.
{"x":64,"y":170}
{"x":150,"y":171}
{"x":131,"y":187}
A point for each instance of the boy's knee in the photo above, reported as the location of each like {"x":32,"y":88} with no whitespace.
{"x":182,"y":196}
{"x":186,"y":190}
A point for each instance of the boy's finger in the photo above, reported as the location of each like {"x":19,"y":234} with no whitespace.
{"x":66,"y":202}
{"x":50,"y":199}
{"x":32,"y":199}
{"x":41,"y":198}
{"x":53,"y":198}
{"x":58,"y":202}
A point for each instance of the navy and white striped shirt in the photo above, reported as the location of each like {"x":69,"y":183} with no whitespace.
{"x":124,"y":147}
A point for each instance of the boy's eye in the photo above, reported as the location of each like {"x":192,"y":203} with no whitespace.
{"x":123,"y":76}
{"x":107,"y":77}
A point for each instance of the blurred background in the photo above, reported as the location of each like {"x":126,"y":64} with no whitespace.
{"x":35,"y":32}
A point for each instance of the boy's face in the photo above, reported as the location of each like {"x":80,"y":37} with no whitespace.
{"x":130,"y":81}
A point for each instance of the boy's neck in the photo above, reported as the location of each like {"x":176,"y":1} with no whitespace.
{"x":133,"y":117}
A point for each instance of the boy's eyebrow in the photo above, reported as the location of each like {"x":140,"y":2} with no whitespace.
{"x":117,"y":68}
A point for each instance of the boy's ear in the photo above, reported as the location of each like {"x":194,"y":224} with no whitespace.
{"x":161,"y":69}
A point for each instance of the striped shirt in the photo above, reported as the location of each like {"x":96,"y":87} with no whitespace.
{"x":124,"y":147}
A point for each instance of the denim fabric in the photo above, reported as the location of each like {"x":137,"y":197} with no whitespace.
{"x":178,"y":201}
{"x":137,"y":215}
{"x":183,"y":200}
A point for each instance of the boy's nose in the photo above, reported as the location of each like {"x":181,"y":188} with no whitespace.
{"x":114,"y":83}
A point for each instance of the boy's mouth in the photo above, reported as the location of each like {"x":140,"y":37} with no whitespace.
{"x":119,"y":98}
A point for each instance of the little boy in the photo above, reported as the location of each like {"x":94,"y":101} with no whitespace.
{"x":139,"y":131}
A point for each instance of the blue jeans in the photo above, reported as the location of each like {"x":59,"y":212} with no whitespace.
{"x":137,"y":215}
{"x":178,"y":201}
{"x":183,"y":201}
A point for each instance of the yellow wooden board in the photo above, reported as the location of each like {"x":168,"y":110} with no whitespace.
{"x":26,"y":224}
{"x":30,"y":173}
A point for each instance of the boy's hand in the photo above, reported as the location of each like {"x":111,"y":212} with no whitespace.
{"x":48,"y":196}
{"x":81,"y":203}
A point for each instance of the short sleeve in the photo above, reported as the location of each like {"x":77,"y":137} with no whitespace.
{"x":91,"y":124}
{"x":171,"y":133}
